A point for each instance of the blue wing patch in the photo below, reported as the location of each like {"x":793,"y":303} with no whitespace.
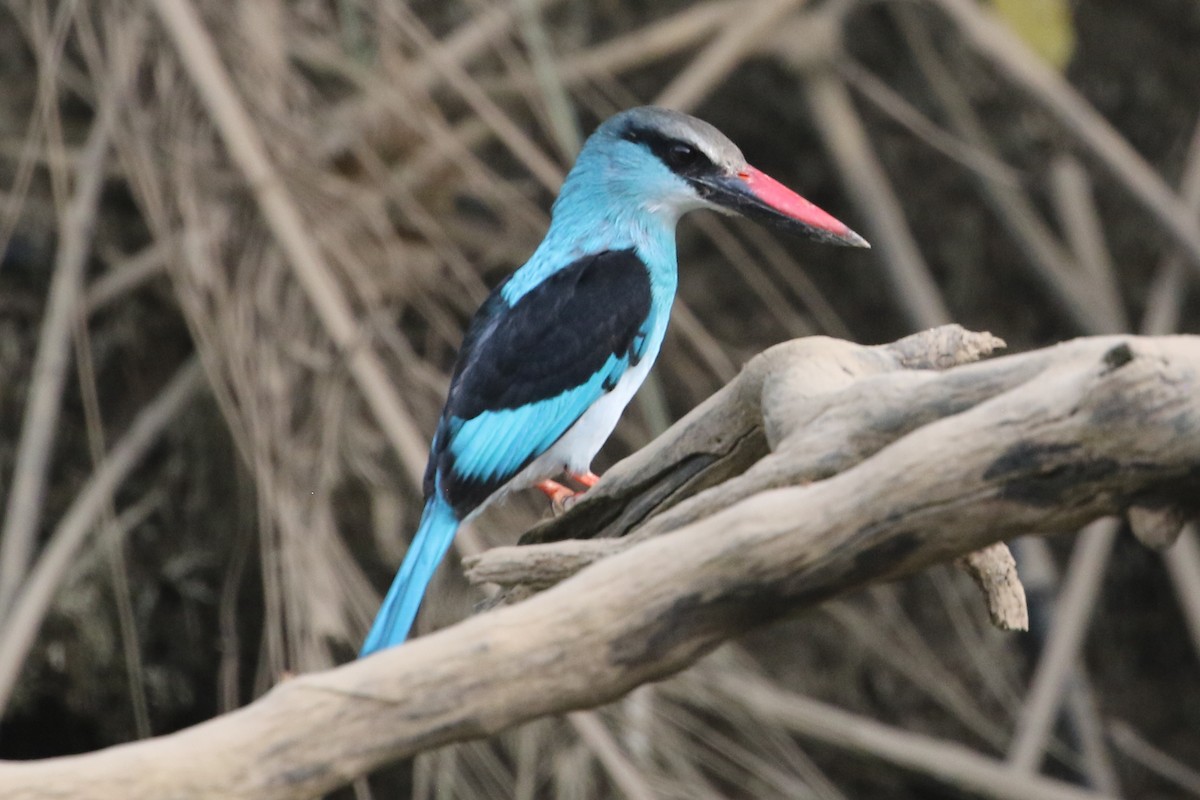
{"x":498,"y":444}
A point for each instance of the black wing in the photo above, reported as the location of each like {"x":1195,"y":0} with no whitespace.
{"x":556,"y":338}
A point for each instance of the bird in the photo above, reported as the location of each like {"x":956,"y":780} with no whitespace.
{"x":558,"y":349}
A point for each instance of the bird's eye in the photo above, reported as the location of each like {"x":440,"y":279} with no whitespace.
{"x":681,"y":155}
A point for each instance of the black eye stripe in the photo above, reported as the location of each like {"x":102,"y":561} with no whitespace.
{"x":681,"y":157}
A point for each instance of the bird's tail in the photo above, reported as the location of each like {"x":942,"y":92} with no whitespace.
{"x":433,"y":537}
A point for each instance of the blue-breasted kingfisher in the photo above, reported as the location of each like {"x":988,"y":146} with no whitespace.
{"x":558,"y":349}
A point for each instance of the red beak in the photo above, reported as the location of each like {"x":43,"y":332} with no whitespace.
{"x":757,"y":195}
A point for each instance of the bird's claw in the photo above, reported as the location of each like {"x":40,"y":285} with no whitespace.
{"x":562,"y":506}
{"x":562,"y":497}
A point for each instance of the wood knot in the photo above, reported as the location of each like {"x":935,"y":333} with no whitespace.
{"x":1118,"y":356}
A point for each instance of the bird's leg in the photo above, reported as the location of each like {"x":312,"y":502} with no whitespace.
{"x":561,"y":497}
{"x":558,"y":494}
{"x":588,"y":479}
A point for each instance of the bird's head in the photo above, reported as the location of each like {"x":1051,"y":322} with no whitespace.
{"x":666,"y":163}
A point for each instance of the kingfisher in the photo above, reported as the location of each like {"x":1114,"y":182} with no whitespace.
{"x":558,"y":349}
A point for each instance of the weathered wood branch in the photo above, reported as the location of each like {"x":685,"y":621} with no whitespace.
{"x":954,"y":461}
{"x":777,"y":392}
{"x":826,"y":406}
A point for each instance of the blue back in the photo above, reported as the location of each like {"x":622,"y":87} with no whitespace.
{"x":597,"y":291}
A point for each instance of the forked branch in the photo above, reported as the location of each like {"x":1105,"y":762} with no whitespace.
{"x":906,"y":467}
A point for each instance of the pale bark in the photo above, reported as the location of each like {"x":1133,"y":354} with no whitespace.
{"x":906,"y":468}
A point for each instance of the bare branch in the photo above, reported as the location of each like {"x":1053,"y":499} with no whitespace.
{"x":1066,"y":436}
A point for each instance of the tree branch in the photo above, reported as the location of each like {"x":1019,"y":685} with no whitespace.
{"x":947,"y":463}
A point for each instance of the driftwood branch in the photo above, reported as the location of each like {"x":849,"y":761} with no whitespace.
{"x":904,"y":468}
{"x":779,"y":391}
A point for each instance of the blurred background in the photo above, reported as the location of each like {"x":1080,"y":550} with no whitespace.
{"x":200,"y":289}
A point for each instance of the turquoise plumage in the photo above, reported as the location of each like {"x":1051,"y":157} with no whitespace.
{"x":557,"y":351}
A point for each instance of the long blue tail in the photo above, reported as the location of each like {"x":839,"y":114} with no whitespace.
{"x":399,"y":610}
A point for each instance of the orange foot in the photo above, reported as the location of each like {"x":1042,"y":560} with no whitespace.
{"x":588,"y":479}
{"x":562,"y":497}
{"x":557,"y":493}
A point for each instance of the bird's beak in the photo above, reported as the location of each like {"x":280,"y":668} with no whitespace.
{"x":756,"y":195}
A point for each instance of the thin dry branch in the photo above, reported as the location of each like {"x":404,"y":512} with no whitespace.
{"x":1131,"y":743}
{"x":1183,"y":564}
{"x":200,"y":58}
{"x":887,"y":100}
{"x":718,"y":58}
{"x":651,"y":42}
{"x":1076,"y":206}
{"x":846,"y":139}
{"x":1034,"y":75}
{"x":946,"y":761}
{"x":1164,"y":308}
{"x":23,"y":509}
{"x":1046,"y":260}
{"x":30,"y":604}
{"x":1101,"y":423}
{"x":1047,"y":693}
